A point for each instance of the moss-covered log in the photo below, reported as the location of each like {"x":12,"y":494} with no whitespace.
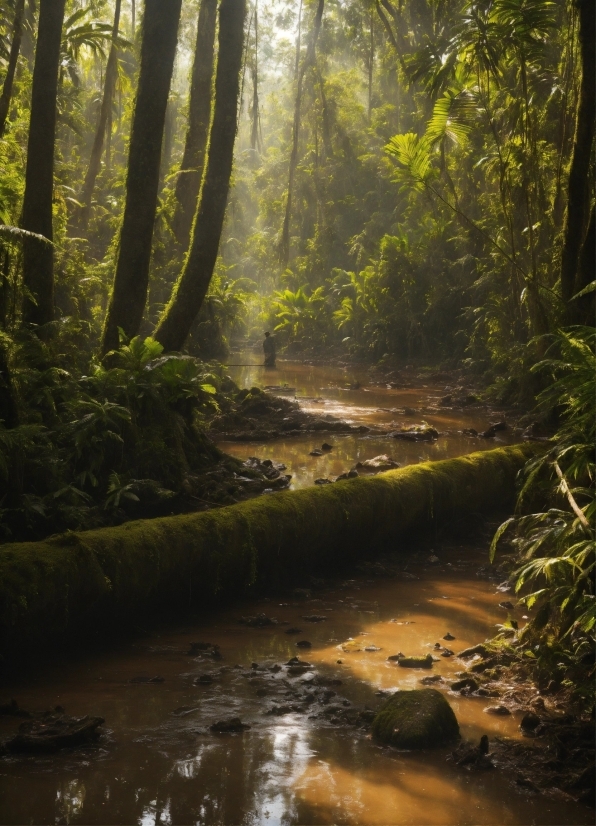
{"x":82,"y":583}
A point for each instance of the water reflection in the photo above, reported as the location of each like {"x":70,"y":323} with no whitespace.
{"x":320,"y":390}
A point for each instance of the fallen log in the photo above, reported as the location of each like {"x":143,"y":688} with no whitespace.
{"x":79,"y":585}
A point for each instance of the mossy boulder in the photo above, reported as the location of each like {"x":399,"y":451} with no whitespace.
{"x":416,"y":719}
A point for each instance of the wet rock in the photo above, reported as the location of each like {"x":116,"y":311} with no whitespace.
{"x":372,"y":648}
{"x":296,"y":661}
{"x":410,"y":411}
{"x":529,"y":722}
{"x":446,"y":653}
{"x":448,"y":637}
{"x":232,"y":724}
{"x":275,"y":668}
{"x":415,"y":719}
{"x":430,"y":680}
{"x":416,"y":662}
{"x":416,"y":434}
{"x":314,"y":618}
{"x":203,"y":679}
{"x":470,"y":431}
{"x":54,"y":732}
{"x":350,"y":474}
{"x":438,"y":646}
{"x":382,"y":462}
{"x":492,"y":431}
{"x":446,"y":401}
{"x":467,"y":683}
{"x":526,"y":783}
{"x":323,"y":481}
{"x":474,"y":650}
{"x":207,"y":648}
{"x":260,"y":621}
{"x":304,"y":644}
{"x":316,"y":452}
{"x":290,"y":708}
{"x":326,"y":446}
{"x":12,"y":709}
{"x":507,"y":605}
{"x":502,"y":711}
{"x":396,"y":657}
{"x":293,"y":631}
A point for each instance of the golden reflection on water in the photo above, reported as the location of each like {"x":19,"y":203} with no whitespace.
{"x":362,"y":406}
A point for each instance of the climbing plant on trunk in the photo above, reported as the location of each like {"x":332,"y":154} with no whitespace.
{"x":38,"y":257}
{"x":191,"y":289}
{"x":158,"y":50}
{"x":199,"y":116}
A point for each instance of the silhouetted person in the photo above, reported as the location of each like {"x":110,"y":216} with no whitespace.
{"x":269,"y":350}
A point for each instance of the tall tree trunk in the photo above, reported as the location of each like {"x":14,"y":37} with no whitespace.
{"x":38,"y":258}
{"x":254,"y":132}
{"x":309,"y":59}
{"x":100,"y":132}
{"x":28,"y":41}
{"x":191,"y":289}
{"x":199,"y":116}
{"x":158,"y":50}
{"x":586,"y":274}
{"x":371,"y":63}
{"x":578,"y":195}
{"x":15,"y":48}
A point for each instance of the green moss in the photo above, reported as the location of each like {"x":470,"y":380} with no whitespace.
{"x":79,"y":583}
{"x":416,"y":720}
{"x":416,"y":662}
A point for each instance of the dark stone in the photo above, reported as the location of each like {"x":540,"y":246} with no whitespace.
{"x":415,"y":720}
{"x":12,"y":709}
{"x":304,"y":644}
{"x":416,"y":662}
{"x":232,"y":724}
{"x":448,"y":636}
{"x":204,"y":679}
{"x":293,"y":631}
{"x":314,"y":618}
{"x":467,"y":653}
{"x":54,"y":732}
{"x":323,"y":482}
{"x":447,"y":653}
{"x":326,"y":446}
{"x":503,"y":711}
{"x":529,"y":722}
{"x":466,"y":683}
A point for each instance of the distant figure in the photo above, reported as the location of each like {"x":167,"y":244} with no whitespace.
{"x":269,"y":350}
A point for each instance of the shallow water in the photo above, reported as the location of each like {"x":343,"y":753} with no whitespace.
{"x":158,"y":763}
{"x":322,"y":390}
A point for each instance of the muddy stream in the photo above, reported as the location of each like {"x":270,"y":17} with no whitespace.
{"x":159,"y":763}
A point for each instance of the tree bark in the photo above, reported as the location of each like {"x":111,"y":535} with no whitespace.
{"x":191,"y":289}
{"x":578,"y":195}
{"x":38,"y":258}
{"x":254,"y":132}
{"x":199,"y":117}
{"x":100,"y":133}
{"x":15,"y":48}
{"x":586,"y":274}
{"x":309,"y":59}
{"x":129,"y":295}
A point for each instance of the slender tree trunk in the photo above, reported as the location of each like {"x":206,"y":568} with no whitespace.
{"x":371,"y":63}
{"x":109,"y":88}
{"x":578,"y":195}
{"x":15,"y":48}
{"x":28,"y":41}
{"x":199,"y":116}
{"x":158,"y":50}
{"x":254,"y":132}
{"x":38,"y":258}
{"x":309,"y":59}
{"x":191,"y":289}
{"x":586,"y":274}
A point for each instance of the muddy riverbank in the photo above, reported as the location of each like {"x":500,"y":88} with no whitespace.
{"x":158,"y":761}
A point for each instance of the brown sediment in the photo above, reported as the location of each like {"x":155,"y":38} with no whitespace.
{"x":77,"y":585}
